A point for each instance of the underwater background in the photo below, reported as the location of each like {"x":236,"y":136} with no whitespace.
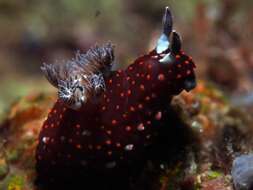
{"x":215,"y":118}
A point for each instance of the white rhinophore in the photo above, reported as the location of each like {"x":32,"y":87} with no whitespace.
{"x":167,"y":58}
{"x":162,"y":44}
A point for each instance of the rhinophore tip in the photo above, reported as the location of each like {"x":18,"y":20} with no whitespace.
{"x":163,"y":42}
{"x":167,"y":22}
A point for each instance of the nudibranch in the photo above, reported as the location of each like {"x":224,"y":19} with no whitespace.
{"x":105,"y":120}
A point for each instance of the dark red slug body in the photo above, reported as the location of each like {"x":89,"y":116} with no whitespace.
{"x":113,"y":131}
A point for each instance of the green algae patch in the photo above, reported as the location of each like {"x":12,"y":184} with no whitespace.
{"x":16,"y":183}
{"x":4,"y":168}
{"x":213,"y":174}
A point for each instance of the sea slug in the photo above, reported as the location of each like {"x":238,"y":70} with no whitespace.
{"x":104,"y":121}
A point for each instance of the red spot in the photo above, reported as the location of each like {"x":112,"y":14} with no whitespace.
{"x":78,"y":146}
{"x":124,"y":115}
{"x":179,"y":76}
{"x":179,"y":65}
{"x":78,"y":126}
{"x":142,"y":87}
{"x":118,"y":85}
{"x":128,"y":78}
{"x":108,"y":142}
{"x":109,"y":132}
{"x":128,"y":128}
{"x":132,"y":108}
{"x":140,"y":106}
{"x":178,"y":56}
{"x":133,"y":82}
{"x":109,"y":153}
{"x":149,"y":66}
{"x":148,"y":122}
{"x":103,"y":108}
{"x":117,"y":107}
{"x":110,"y":81}
{"x":186,"y":62}
{"x":114,"y":122}
{"x":118,"y":145}
{"x":52,"y":125}
{"x":117,"y":75}
{"x":130,"y":68}
{"x":141,"y":63}
{"x":158,"y":115}
{"x":129,"y":92}
{"x":122,"y":94}
{"x":147,"y":98}
{"x":148,"y":77}
{"x":61,"y":116}
{"x":161,"y":77}
{"x":188,"y":72}
{"x":137,"y":74}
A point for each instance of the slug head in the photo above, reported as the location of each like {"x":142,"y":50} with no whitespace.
{"x":178,"y":66}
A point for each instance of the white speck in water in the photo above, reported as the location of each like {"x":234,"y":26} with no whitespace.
{"x":140,"y":127}
{"x":162,"y":166}
{"x":45,"y":139}
{"x":129,"y":147}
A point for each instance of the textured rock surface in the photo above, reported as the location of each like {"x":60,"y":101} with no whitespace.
{"x":18,"y":135}
{"x":242,"y":172}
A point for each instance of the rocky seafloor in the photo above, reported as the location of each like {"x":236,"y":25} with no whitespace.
{"x":206,"y":135}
